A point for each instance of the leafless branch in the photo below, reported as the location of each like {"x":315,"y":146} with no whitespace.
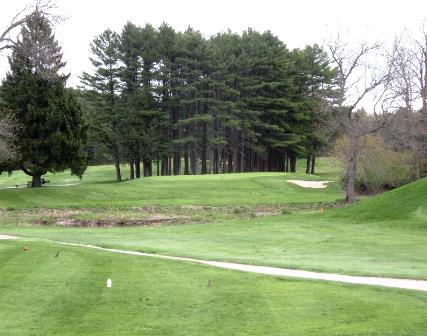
{"x":45,"y":7}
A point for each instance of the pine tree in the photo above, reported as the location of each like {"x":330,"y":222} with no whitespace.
{"x":52,"y":134}
{"x":314,"y":81}
{"x":105,"y":80}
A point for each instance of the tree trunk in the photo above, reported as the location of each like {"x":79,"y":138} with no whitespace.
{"x":308,"y":165}
{"x":415,"y":172}
{"x":293,"y":162}
{"x":204,"y":149}
{"x":215,"y":160}
{"x":137,"y":168}
{"x":132,"y":170}
{"x":230,"y":161}
{"x":313,"y":163}
{"x":194,"y":160}
{"x":118,"y":172}
{"x":242,"y":153}
{"x":36,"y":181}
{"x":351,"y":172}
{"x":287,"y":160}
{"x":177,"y":162}
{"x":204,"y":160}
{"x":186,"y":164}
{"x":147,"y":167}
{"x":234,"y":160}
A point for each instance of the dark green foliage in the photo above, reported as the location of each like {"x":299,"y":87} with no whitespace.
{"x":231,"y":103}
{"x":52,"y":132}
{"x":107,"y":119}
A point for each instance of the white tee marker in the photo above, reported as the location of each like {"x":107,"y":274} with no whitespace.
{"x":109,"y":283}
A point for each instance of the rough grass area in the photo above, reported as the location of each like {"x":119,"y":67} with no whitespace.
{"x":42,"y":294}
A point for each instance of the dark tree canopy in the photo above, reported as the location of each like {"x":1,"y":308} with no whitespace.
{"x":230,"y":103}
{"x":52,"y":131}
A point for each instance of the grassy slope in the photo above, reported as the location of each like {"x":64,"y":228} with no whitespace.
{"x":408,"y":202}
{"x":98,"y":190}
{"x":44,"y":295}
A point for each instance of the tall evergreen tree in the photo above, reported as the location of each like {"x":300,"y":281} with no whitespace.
{"x":232,"y":103}
{"x":52,"y":131}
{"x":315,"y":84}
{"x":105,"y":80}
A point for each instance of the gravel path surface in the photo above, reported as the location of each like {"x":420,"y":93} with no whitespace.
{"x":275,"y":271}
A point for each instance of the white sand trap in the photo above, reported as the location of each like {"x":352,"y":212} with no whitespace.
{"x":4,"y":237}
{"x":310,"y":184}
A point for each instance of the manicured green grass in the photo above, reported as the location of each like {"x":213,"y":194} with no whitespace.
{"x":66,"y":295}
{"x":383,"y":235}
{"x":395,"y":249}
{"x":97,"y":189}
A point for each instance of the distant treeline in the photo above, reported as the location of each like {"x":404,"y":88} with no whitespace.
{"x":229,"y":103}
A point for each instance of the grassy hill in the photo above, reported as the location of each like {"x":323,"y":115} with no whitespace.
{"x":406,"y":202}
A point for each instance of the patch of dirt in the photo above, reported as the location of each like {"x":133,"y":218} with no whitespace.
{"x":57,"y":213}
{"x":155,"y":221}
{"x":197,"y":207}
{"x":266,"y":211}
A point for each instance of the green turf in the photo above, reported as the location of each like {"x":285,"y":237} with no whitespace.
{"x":66,"y":295}
{"x":395,"y":249}
{"x":384,"y":235}
{"x":97,"y":189}
{"x":408,"y":202}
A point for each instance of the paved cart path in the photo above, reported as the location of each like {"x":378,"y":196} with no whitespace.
{"x":284,"y":272}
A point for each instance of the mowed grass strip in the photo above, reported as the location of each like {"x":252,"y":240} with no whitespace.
{"x":42,"y":294}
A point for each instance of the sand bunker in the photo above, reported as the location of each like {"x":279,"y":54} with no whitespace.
{"x":4,"y":237}
{"x":310,"y":184}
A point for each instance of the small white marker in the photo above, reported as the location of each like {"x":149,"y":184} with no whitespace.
{"x":109,"y":283}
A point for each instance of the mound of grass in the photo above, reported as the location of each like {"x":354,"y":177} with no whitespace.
{"x":42,"y":294}
{"x":406,"y":202}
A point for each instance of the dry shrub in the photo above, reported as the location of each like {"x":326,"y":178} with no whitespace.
{"x":378,"y":166}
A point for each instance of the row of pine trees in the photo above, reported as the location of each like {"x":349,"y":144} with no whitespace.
{"x":229,"y":103}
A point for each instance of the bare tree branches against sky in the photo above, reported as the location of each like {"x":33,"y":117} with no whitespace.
{"x":297,"y":23}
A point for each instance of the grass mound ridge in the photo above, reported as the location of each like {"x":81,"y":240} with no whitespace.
{"x":406,"y":202}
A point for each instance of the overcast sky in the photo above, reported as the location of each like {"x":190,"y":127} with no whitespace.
{"x":297,"y":23}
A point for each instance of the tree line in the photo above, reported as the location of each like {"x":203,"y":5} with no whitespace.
{"x":229,"y":103}
{"x":180,"y":103}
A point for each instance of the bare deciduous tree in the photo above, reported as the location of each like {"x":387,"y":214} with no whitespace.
{"x":407,"y":62}
{"x":8,"y":35}
{"x":357,"y":77}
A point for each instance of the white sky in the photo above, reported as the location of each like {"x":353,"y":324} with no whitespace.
{"x":297,"y":23}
